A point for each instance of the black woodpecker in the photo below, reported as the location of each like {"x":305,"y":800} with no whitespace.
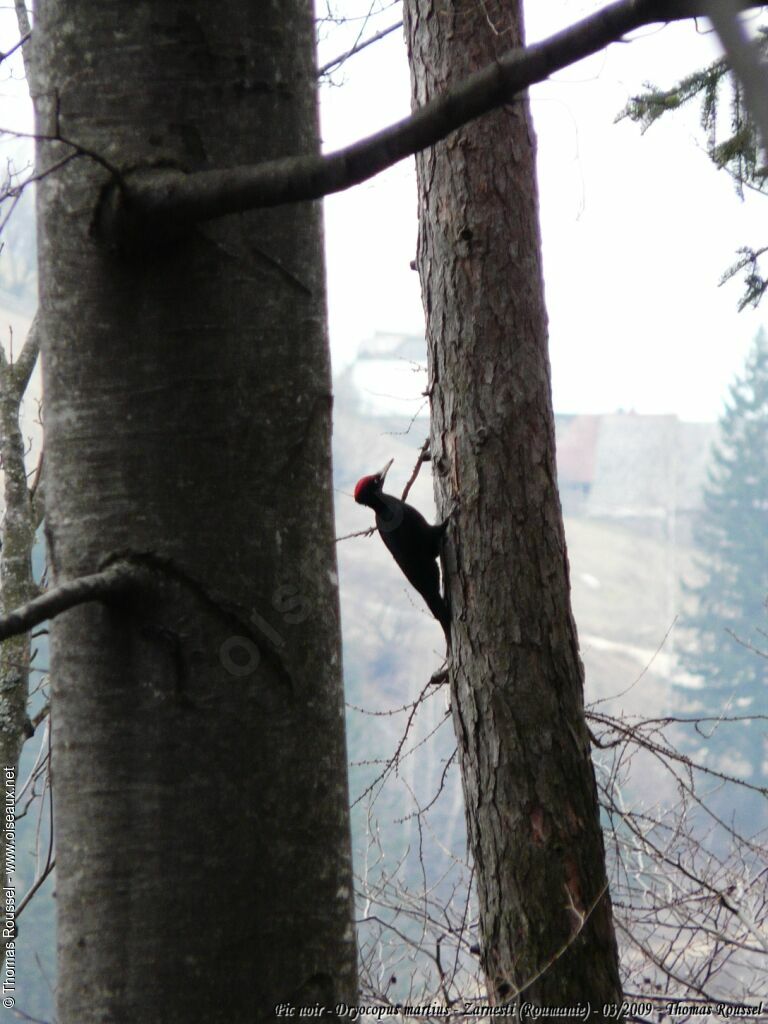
{"x":412,"y":541}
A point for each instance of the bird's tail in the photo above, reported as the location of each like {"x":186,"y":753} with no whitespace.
{"x":446,"y":624}
{"x":439,"y":608}
{"x":444,"y":614}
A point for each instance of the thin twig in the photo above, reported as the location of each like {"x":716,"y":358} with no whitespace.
{"x":359,"y":533}
{"x":423,"y":457}
{"x":36,"y":885}
{"x":357,"y":48}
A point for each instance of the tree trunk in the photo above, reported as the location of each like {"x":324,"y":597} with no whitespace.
{"x":17,"y":586}
{"x":199,"y":760}
{"x":516,"y":676}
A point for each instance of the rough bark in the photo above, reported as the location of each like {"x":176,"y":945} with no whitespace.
{"x":199,"y":760}
{"x":516,"y":676}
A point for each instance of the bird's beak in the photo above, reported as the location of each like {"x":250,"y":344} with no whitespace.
{"x":383,"y":472}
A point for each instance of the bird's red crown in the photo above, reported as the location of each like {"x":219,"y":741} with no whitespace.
{"x":361,"y":484}
{"x":366,"y":481}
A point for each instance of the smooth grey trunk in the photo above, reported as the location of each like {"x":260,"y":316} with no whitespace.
{"x":516,"y":677}
{"x":199,"y":760}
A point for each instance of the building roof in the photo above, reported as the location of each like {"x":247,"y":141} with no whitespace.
{"x":634,"y":464}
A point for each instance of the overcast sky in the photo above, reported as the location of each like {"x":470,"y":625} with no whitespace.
{"x":637,"y":229}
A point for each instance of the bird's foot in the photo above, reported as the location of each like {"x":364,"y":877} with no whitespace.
{"x":439,"y":677}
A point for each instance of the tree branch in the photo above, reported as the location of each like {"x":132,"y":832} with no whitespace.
{"x":25,"y":34}
{"x":22,"y":17}
{"x":25,"y":364}
{"x":158,"y":202}
{"x":37,"y":492}
{"x":423,"y":457}
{"x":744,"y":59}
{"x":37,"y":497}
{"x":325,"y":68}
{"x":99,"y":586}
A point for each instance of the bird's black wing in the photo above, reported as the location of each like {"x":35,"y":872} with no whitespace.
{"x":414,"y":544}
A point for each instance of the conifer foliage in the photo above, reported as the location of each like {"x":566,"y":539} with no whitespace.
{"x":729,"y":627}
{"x":732,"y":144}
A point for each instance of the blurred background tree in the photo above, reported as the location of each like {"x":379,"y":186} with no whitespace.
{"x":729,"y":627}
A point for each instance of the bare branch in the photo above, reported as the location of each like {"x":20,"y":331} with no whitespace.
{"x":359,"y":533}
{"x":38,"y":502}
{"x":36,"y":885}
{"x":25,"y":364}
{"x":37,"y":476}
{"x":357,"y":48}
{"x":22,"y":16}
{"x":158,"y":202}
{"x":17,"y":45}
{"x":99,"y":586}
{"x":42,"y":714}
{"x":424,"y":456}
{"x":25,"y":34}
{"x":37,"y":492}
